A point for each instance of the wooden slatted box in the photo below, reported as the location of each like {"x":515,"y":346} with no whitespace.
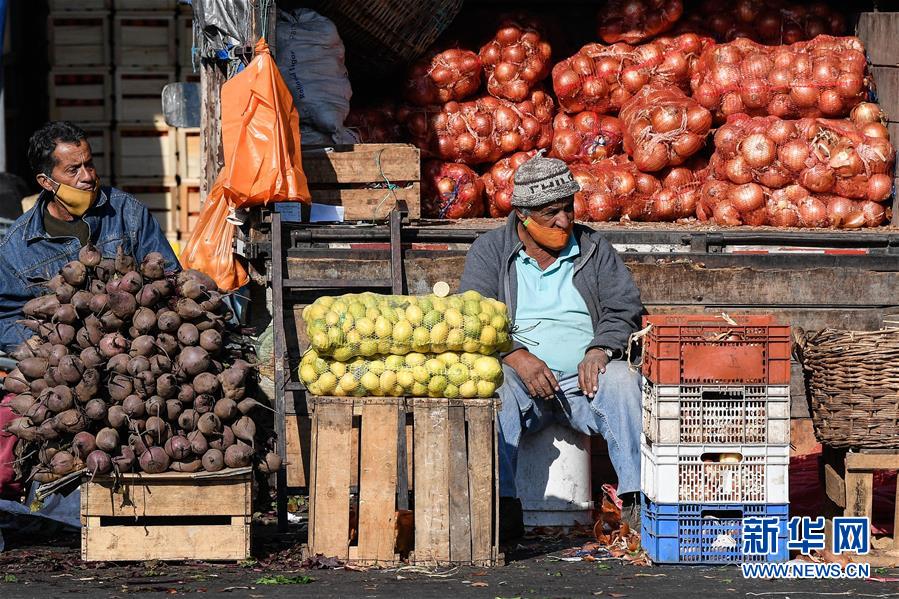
{"x":78,"y":38}
{"x":169,"y":516}
{"x":188,"y":209}
{"x":189,"y":167}
{"x":73,"y":5}
{"x":356,"y":178}
{"x":99,"y":136}
{"x":454,"y":469}
{"x":145,"y":152}
{"x":185,"y":25}
{"x":160,"y":198}
{"x":161,"y":5}
{"x":145,"y":39}
{"x":80,"y":94}
{"x":138,"y":94}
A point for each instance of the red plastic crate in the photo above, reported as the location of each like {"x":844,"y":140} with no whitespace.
{"x":697,"y":348}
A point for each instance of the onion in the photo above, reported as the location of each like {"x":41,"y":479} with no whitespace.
{"x":738,"y":170}
{"x":755,"y":93}
{"x":812,"y":212}
{"x":774,"y":177}
{"x":805,"y":96}
{"x":726,"y":215}
{"x":666,"y":118}
{"x":866,"y":112}
{"x":874,"y":214}
{"x":726,"y":139}
{"x":699,"y":120}
{"x":651,"y":157}
{"x":793,"y":155}
{"x":830,"y":103}
{"x":880,"y":187}
{"x":877,"y":130}
{"x":758,"y":150}
{"x":838,"y":210}
{"x":818,"y":179}
{"x":781,"y":131}
{"x":747,"y":197}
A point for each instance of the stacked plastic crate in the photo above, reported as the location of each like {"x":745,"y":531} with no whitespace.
{"x":716,"y":435}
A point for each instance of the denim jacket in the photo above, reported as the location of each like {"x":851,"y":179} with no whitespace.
{"x":29,"y":256}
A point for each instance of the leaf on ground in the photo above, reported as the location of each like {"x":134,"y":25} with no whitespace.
{"x":10,"y":578}
{"x":281,"y":579}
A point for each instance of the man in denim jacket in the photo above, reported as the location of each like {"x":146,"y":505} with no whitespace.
{"x":72,"y":210}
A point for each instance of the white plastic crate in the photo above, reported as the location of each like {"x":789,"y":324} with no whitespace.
{"x":716,"y":414}
{"x":715,"y":473}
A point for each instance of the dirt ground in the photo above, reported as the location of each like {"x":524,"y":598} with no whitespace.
{"x":53,"y":568}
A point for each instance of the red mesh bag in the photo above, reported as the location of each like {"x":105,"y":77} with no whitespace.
{"x":515,"y":60}
{"x":602,"y":78}
{"x":823,"y":155}
{"x":451,"y":190}
{"x":634,"y":21}
{"x":487,"y":128}
{"x":499,"y":183}
{"x":375,"y":124}
{"x":822,"y":77}
{"x":668,"y":196}
{"x":449,"y":75}
{"x":663,"y":127}
{"x":585,"y":137}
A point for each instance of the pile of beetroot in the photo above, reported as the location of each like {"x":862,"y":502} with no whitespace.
{"x":131,"y":369}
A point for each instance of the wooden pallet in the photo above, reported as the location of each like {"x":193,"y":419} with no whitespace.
{"x":99,"y":136}
{"x":849,"y":481}
{"x":78,"y":38}
{"x":188,"y":209}
{"x":80,"y":94}
{"x":185,"y":26}
{"x":161,"y":5}
{"x":170,"y":516}
{"x":189,"y":155}
{"x":160,"y":198}
{"x":138,"y":94}
{"x":356,"y":177}
{"x":145,"y":151}
{"x":454,"y":468}
{"x":76,"y":5}
{"x":144,"y":39}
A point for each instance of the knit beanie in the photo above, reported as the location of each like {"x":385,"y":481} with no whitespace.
{"x":541,"y":181}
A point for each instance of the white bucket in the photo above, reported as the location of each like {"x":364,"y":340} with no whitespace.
{"x":553,"y":478}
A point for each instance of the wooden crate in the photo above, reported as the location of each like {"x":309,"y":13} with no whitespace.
{"x":189,"y":167}
{"x":171,"y":516}
{"x":99,"y":136}
{"x":355,"y":177}
{"x":138,"y":94}
{"x":144,"y":39}
{"x":80,"y":94}
{"x":78,"y":38}
{"x":145,"y":151}
{"x":72,"y":5}
{"x":185,"y":26}
{"x":169,"y":5}
{"x":454,"y":507}
{"x":188,"y":208}
{"x":887,"y":81}
{"x":877,"y":31}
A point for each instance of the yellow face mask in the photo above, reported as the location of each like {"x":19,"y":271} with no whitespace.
{"x":76,"y":201}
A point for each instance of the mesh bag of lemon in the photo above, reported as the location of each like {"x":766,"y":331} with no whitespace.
{"x":448,"y":374}
{"x":370,"y":324}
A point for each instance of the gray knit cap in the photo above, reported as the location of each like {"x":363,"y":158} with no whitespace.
{"x":541,"y":181}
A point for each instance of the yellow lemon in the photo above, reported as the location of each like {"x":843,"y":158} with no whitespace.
{"x":315,"y":389}
{"x":472,"y":327}
{"x":488,"y":368}
{"x":321,"y":366}
{"x":419,"y":390}
{"x":455,"y":301}
{"x":342,"y":354}
{"x":347,"y":323}
{"x":471,"y":346}
{"x":365,"y":326}
{"x":468,"y":389}
{"x":336,"y":336}
{"x":439,"y":303}
{"x":402,"y":331}
{"x":383,"y":346}
{"x":368,"y":347}
{"x":453,"y":318}
{"x":421,"y":374}
{"x":471,"y":308}
{"x":488,"y":335}
{"x":387,"y":380}
{"x":353,"y":338}
{"x":435,"y":366}
{"x":376,"y":366}
{"x":499,"y":322}
{"x":437,"y":384}
{"x":320,"y":341}
{"x":314,"y":312}
{"x":451,"y":391}
{"x":326,"y":300}
{"x":439,"y":333}
{"x":397,"y":391}
{"x":483,"y":318}
{"x":357,"y":309}
{"x":472,"y":296}
{"x":394,"y":363}
{"x":383,"y":328}
{"x":454,"y":339}
{"x":399,"y":349}
{"x":308,"y":374}
{"x":486,"y":307}
{"x":370,"y":381}
{"x":424,"y":302}
{"x":316,"y":326}
{"x":414,"y":315}
{"x":327,"y":382}
{"x":486,"y":389}
{"x":415,"y":359}
{"x":457,"y":373}
{"x":421,"y":337}
{"x":339,"y":306}
{"x":468,"y":359}
{"x":449,"y":358}
{"x":372,"y":314}
{"x":405,"y":379}
{"x":338,"y":368}
{"x":431,"y":318}
{"x":348,"y":382}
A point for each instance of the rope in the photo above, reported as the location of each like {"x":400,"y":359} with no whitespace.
{"x":264,"y":7}
{"x":631,"y":342}
{"x":391,"y":187}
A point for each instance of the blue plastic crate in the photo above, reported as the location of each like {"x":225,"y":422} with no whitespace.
{"x":706,"y":533}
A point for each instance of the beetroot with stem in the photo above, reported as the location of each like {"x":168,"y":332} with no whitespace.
{"x":15,"y":382}
{"x":105,"y":269}
{"x":186,"y":394}
{"x":21,"y":403}
{"x":137,"y":365}
{"x":188,"y":309}
{"x":196,"y":275}
{"x":154,"y":460}
{"x":270,"y":464}
{"x":57,"y":402}
{"x":123,"y":262}
{"x":83,"y":443}
{"x":89,"y":255}
{"x":69,"y":422}
{"x":118,"y":364}
{"x":94,"y":328}
{"x":24,"y":428}
{"x":56,"y":354}
{"x":168,"y":321}
{"x":98,"y":462}
{"x":122,"y":304}
{"x":113,"y":344}
{"x":153,"y":266}
{"x":213,"y":460}
{"x":71,"y":368}
{"x":81,"y":300}
{"x":62,"y":463}
{"x":204,"y":403}
{"x":188,"y":334}
{"x":211,"y":341}
{"x":157,"y":429}
{"x":144,"y":321}
{"x":89,"y":386}
{"x":167,"y":386}
{"x":131,"y":282}
{"x":62,"y":334}
{"x":155,"y":406}
{"x":164,"y":286}
{"x":148,"y":296}
{"x":107,"y":439}
{"x":178,"y":447}
{"x":64,"y":293}
{"x":160,"y":364}
{"x":238,"y":456}
{"x":98,"y":303}
{"x":188,"y":419}
{"x":193,"y":360}
{"x":198,"y":443}
{"x":38,"y":413}
{"x":91,"y":358}
{"x":143,"y":345}
{"x":206,"y":382}
{"x":74,"y":273}
{"x":33,"y":368}
{"x":119,"y":387}
{"x":134,"y":406}
{"x":173,"y":409}
{"x":125,"y":461}
{"x":96,"y":410}
{"x":167,"y":343}
{"x":116,"y":417}
{"x":194,"y":290}
{"x":225,"y":409}
{"x":209,"y":424}
{"x":41,"y":307}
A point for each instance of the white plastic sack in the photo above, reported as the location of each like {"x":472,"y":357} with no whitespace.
{"x":310,"y":56}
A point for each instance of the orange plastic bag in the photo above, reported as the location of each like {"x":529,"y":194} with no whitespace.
{"x":210,"y":247}
{"x":261,"y":136}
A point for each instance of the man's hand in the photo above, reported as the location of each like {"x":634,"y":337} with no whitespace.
{"x":534,"y":373}
{"x":588,"y":371}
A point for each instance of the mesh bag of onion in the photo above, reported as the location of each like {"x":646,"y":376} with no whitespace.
{"x":515,"y":60}
{"x":771,"y":22}
{"x":498,"y":183}
{"x":822,"y":77}
{"x":633,"y":21}
{"x":585,"y":137}
{"x":451,"y":190}
{"x":669,"y":196}
{"x":727,"y":204}
{"x":823,"y":155}
{"x":487,"y":128}
{"x":453,"y":74}
{"x":602,"y":78}
{"x":663,"y":127}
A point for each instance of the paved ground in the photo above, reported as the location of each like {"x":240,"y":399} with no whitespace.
{"x":54,"y":569}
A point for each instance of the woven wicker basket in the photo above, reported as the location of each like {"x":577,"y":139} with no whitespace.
{"x":853,"y":380}
{"x":381,"y":35}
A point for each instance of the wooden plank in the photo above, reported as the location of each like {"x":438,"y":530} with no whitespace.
{"x":370,"y":204}
{"x":481,"y":479}
{"x":431,"y":482}
{"x":459,"y":498}
{"x":872,"y":461}
{"x":212,"y":76}
{"x":887,"y":81}
{"x":330,"y":493}
{"x":354,"y":451}
{"x":362,"y":163}
{"x":189,"y":155}
{"x":297,"y":432}
{"x":834,"y":485}
{"x":859,"y":493}
{"x":217,"y":497}
{"x":179,"y":542}
{"x":404,"y":460}
{"x":377,"y":483}
{"x":877,"y":30}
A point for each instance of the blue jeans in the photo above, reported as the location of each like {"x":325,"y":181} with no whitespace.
{"x":614,"y":412}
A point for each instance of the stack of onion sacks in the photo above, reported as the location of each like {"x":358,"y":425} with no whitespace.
{"x":606,"y":186}
{"x":668,"y":196}
{"x":663,"y":127}
{"x":823,"y":155}
{"x":634,"y":21}
{"x":375,"y":124}
{"x":453,"y":74}
{"x":585,"y":137}
{"x":451,"y":190}
{"x":822,"y":77}
{"x":488,"y":128}
{"x":515,"y":60}
{"x":131,"y":369}
{"x":602,"y":78}
{"x":499,"y":183}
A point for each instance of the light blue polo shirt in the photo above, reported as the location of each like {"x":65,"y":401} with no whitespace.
{"x":550,"y":314}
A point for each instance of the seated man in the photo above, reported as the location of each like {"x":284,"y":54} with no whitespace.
{"x":574,"y":306}
{"x":71,"y":211}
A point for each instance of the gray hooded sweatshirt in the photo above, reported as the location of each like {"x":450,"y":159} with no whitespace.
{"x":600,"y":276}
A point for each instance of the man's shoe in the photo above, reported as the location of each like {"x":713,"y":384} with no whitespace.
{"x":630,"y":510}
{"x":511,"y":519}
